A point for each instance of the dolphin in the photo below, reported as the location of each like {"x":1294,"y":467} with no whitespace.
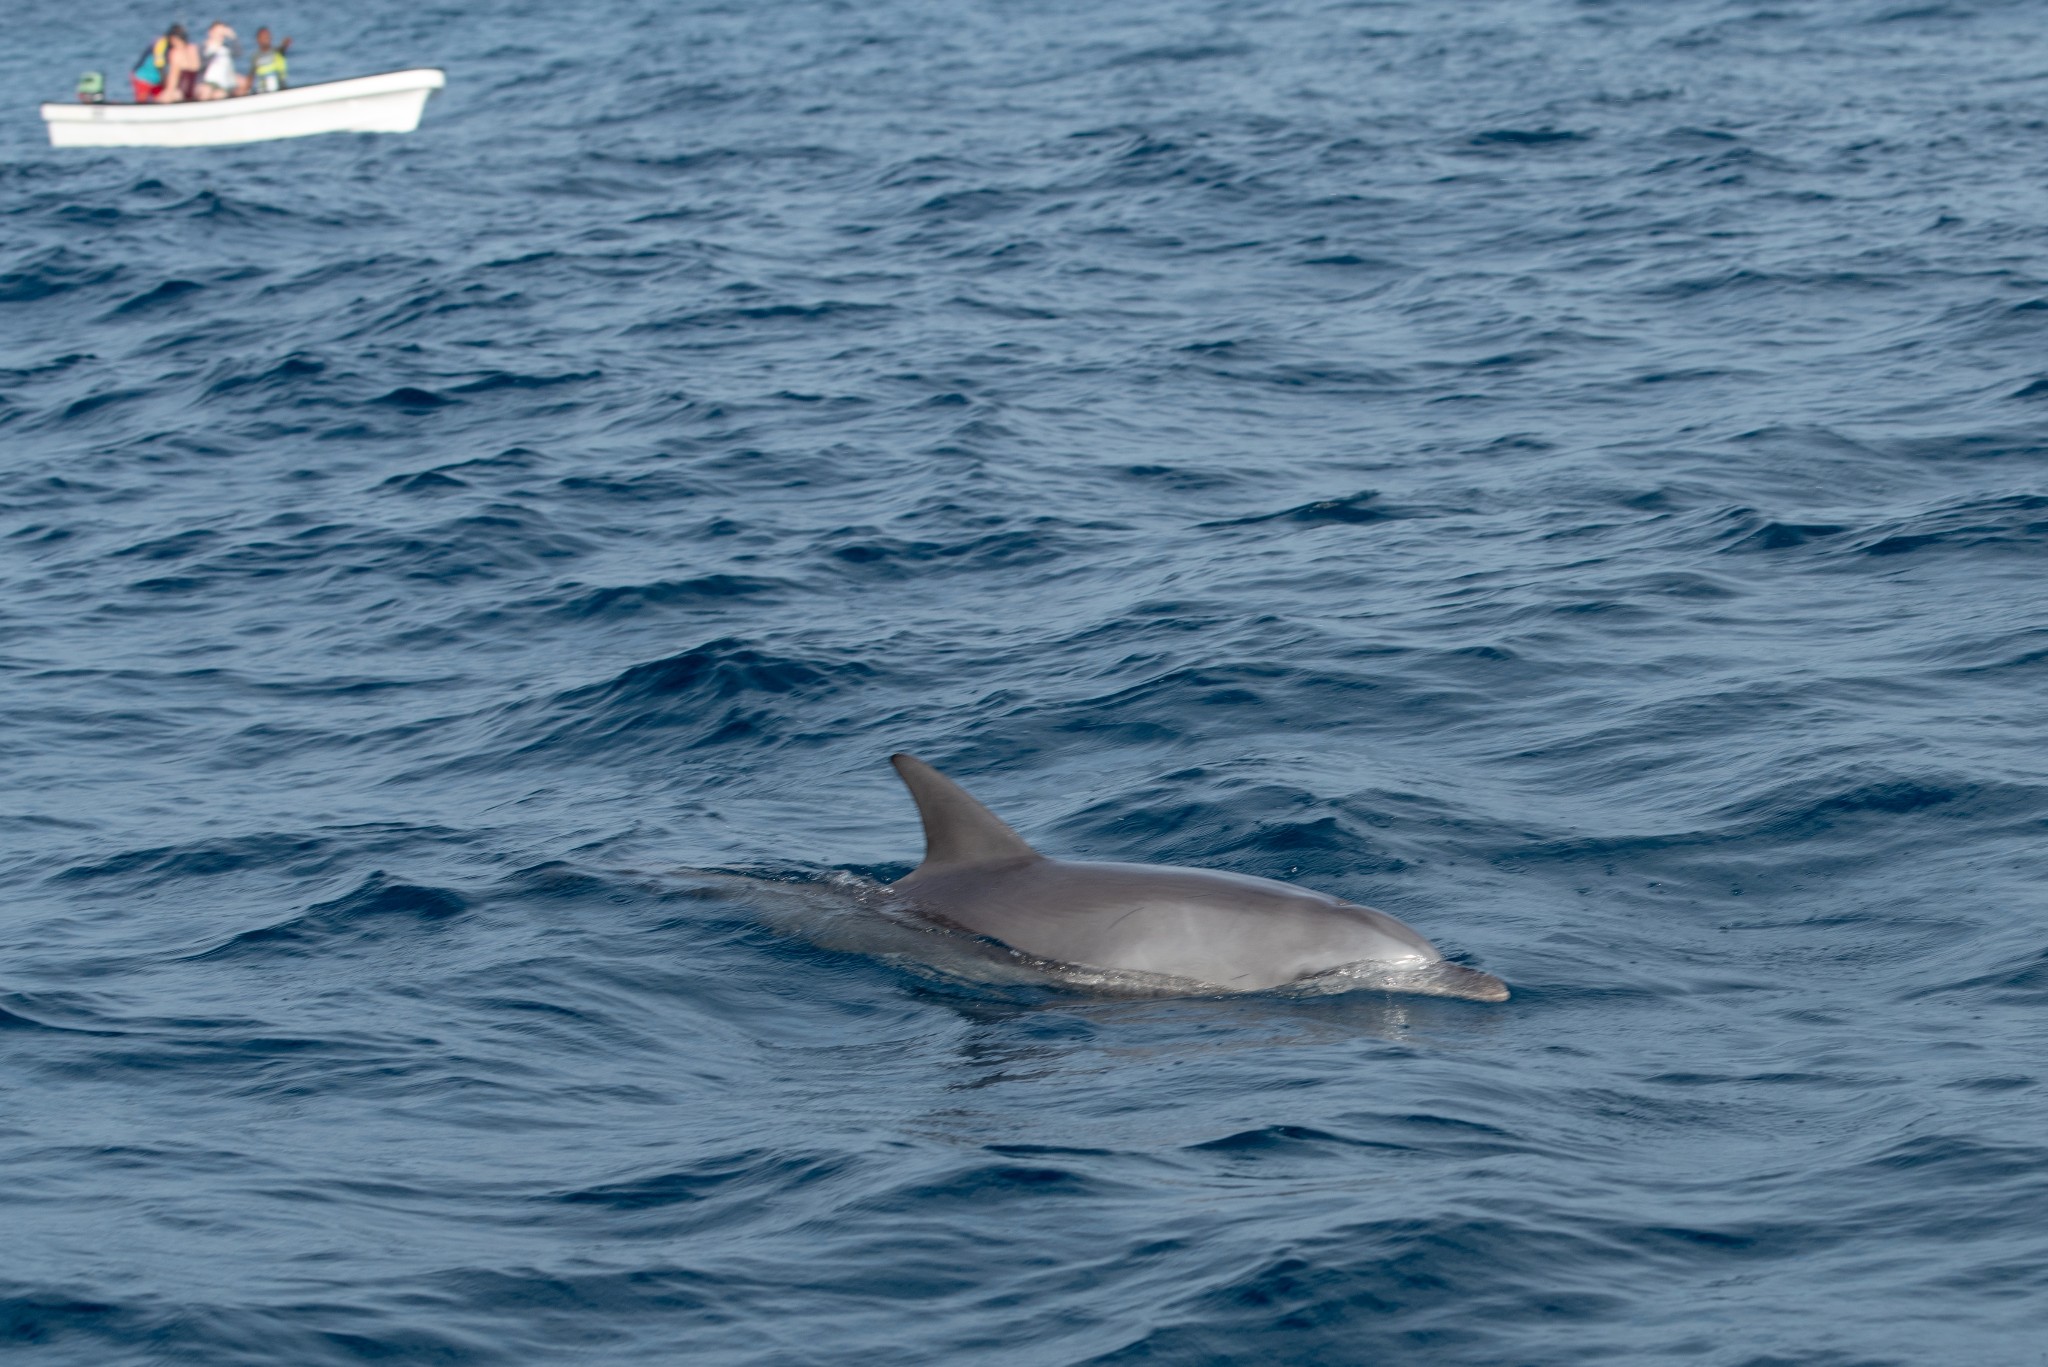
{"x":1212,"y":931}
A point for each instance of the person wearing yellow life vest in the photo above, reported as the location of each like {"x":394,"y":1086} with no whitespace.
{"x":267,"y":71}
{"x":152,"y":74}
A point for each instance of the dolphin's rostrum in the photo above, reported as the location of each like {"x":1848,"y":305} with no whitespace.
{"x":1212,"y":931}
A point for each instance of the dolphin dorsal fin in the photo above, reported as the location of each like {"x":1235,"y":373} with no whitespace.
{"x":957,"y":829}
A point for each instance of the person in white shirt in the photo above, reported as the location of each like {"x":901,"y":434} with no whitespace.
{"x":217,"y":75}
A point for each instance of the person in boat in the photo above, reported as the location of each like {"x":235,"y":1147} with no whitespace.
{"x":152,"y":74}
{"x":217,"y":76}
{"x":181,"y":70}
{"x":267,"y":72}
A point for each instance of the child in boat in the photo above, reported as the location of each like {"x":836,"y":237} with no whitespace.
{"x":266,"y":73}
{"x":217,"y":78}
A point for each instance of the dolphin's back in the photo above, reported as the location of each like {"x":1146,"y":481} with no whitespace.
{"x":1224,"y":929}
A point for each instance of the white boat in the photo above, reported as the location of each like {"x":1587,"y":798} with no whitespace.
{"x":386,"y":103}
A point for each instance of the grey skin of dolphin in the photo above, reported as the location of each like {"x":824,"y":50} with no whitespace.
{"x":1214,"y":931}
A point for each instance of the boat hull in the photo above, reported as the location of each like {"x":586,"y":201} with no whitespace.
{"x":390,"y":102}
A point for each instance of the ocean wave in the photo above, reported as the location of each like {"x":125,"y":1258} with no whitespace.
{"x":1568,"y":476}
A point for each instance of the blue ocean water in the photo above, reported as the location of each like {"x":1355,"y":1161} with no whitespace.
{"x":1572,"y":473}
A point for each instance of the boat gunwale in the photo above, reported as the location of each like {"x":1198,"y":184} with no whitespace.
{"x":244,"y":106}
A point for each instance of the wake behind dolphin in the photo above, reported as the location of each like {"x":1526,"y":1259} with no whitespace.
{"x":1199,"y":929}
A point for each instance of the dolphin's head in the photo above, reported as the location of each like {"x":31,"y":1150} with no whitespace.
{"x":1437,"y":978}
{"x":1455,"y":980}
